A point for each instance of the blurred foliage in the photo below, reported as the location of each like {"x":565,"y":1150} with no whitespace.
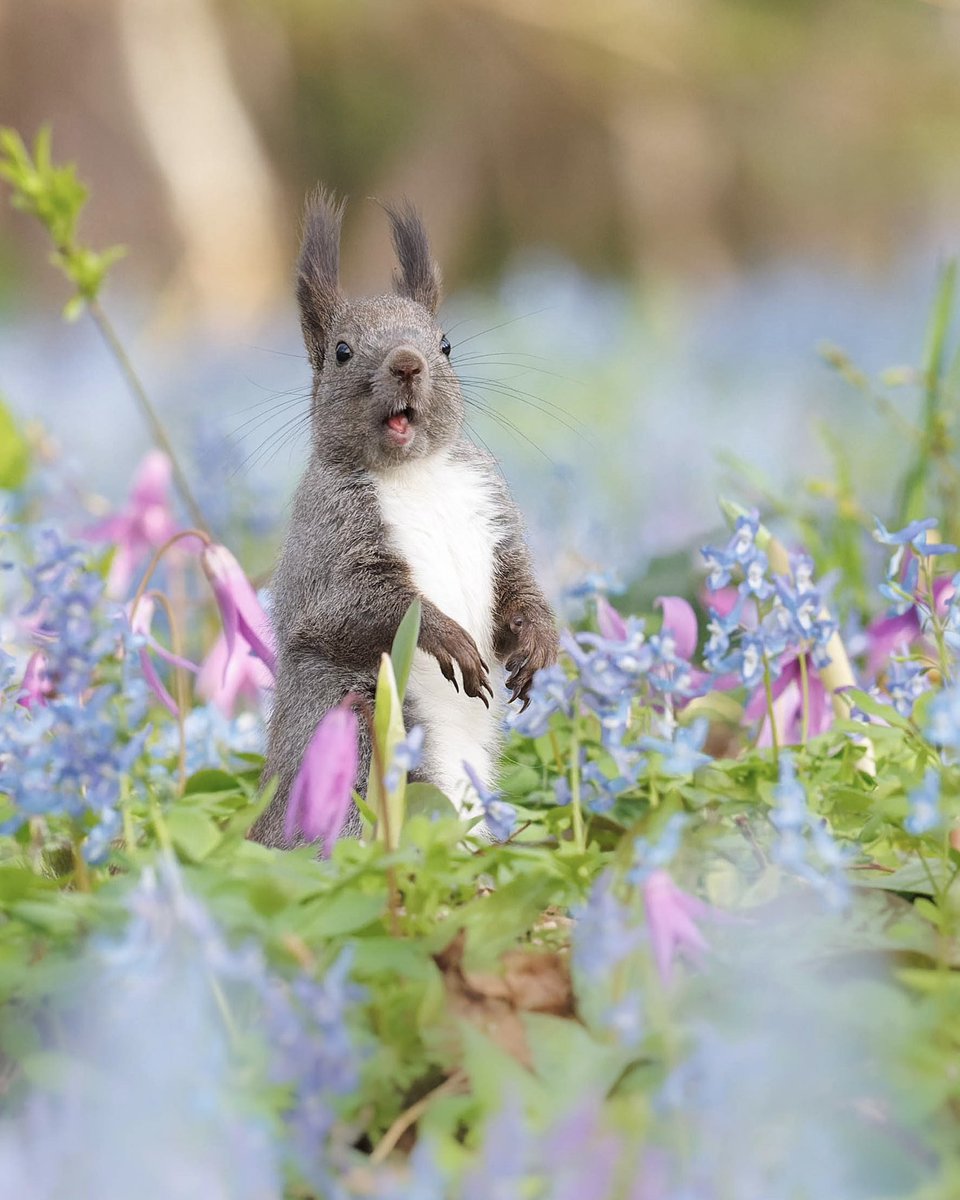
{"x":693,"y":137}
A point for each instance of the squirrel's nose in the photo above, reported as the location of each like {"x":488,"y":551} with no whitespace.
{"x":405,"y":363}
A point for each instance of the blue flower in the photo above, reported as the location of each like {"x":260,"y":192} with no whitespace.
{"x":909,"y":534}
{"x":551,"y":693}
{"x":800,"y":832}
{"x":755,"y":582}
{"x":906,"y":682}
{"x":943,"y":721}
{"x":499,"y":817}
{"x":925,"y":814}
{"x":604,"y":934}
{"x":681,"y":755}
{"x":652,"y":856}
{"x":719,"y":564}
{"x":406,"y":757}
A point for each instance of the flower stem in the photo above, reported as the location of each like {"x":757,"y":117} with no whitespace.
{"x":149,"y":413}
{"x":576,"y":812}
{"x":804,"y":698}
{"x":81,"y":872}
{"x":768,"y":690}
{"x":181,"y":678}
{"x":155,"y":562}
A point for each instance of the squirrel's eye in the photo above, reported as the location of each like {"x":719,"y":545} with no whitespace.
{"x":344,"y":353}
{"x":445,"y":345}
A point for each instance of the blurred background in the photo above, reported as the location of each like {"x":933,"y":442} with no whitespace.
{"x":651,"y":218}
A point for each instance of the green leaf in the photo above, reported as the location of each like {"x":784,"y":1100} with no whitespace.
{"x":427,"y":800}
{"x":404,"y":646}
{"x":194,"y":834}
{"x":211,"y":780}
{"x":14,"y":454}
{"x":388,"y":731}
{"x":333,"y":916}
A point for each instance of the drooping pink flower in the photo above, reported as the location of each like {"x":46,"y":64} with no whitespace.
{"x":321,"y":793}
{"x":611,"y":625}
{"x":787,"y":690}
{"x":225,"y":678}
{"x":144,"y":523}
{"x":680,"y":619}
{"x":35,"y":688}
{"x":141,"y":621}
{"x":886,"y":635}
{"x":246,"y":626}
{"x":670,"y":920}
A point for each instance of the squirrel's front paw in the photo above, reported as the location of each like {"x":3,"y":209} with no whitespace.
{"x":455,"y":645}
{"x":535,"y":646}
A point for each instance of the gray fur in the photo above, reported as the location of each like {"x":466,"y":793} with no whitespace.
{"x":339,"y":591}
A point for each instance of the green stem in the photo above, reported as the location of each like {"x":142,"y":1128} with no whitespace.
{"x":805,"y":699}
{"x":81,"y":872}
{"x":149,"y":413}
{"x":579,"y":838}
{"x":768,"y":690}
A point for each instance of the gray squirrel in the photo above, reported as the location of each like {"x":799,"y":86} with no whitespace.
{"x":396,"y":503}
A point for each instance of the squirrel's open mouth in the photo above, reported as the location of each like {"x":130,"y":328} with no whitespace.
{"x":399,"y":426}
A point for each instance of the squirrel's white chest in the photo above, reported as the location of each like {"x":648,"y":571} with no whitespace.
{"x":441,"y":518}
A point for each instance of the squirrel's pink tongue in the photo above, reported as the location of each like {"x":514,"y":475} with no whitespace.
{"x":398,"y":423}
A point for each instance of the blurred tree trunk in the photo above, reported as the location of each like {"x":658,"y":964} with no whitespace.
{"x":218,"y":181}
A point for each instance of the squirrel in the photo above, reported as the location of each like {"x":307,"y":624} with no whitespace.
{"x":396,"y":503}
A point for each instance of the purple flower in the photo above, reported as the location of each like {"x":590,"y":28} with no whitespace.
{"x":323,"y":789}
{"x":225,"y":678}
{"x":611,"y":625}
{"x":144,"y":524}
{"x":670,"y":919}
{"x":141,"y":620}
{"x":35,"y":688}
{"x":244,"y":620}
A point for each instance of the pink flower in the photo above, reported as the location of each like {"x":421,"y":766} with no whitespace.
{"x":680,"y":619}
{"x":36,"y":688}
{"x":787,"y":692}
{"x":670,"y":920}
{"x":322,"y":791}
{"x":225,"y":678}
{"x":140,"y":624}
{"x":886,"y":635}
{"x":144,"y":524}
{"x":246,"y":626}
{"x":611,"y":625}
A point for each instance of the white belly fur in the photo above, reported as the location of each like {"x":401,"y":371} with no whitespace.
{"x":440,"y":516}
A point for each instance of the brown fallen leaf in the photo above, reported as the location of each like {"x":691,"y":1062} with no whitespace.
{"x":531,"y":981}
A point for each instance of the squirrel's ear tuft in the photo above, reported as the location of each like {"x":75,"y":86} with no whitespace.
{"x":318,"y":271}
{"x":418,"y":276}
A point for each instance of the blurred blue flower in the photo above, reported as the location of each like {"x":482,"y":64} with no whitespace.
{"x":943,"y":721}
{"x":407,"y":756}
{"x":801,"y":832}
{"x":499,"y":816}
{"x":651,"y":856}
{"x":681,"y":754}
{"x":906,"y":681}
{"x":605,"y":932}
{"x":925,"y":814}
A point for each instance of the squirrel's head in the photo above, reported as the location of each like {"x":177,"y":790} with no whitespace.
{"x":384,"y":391}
